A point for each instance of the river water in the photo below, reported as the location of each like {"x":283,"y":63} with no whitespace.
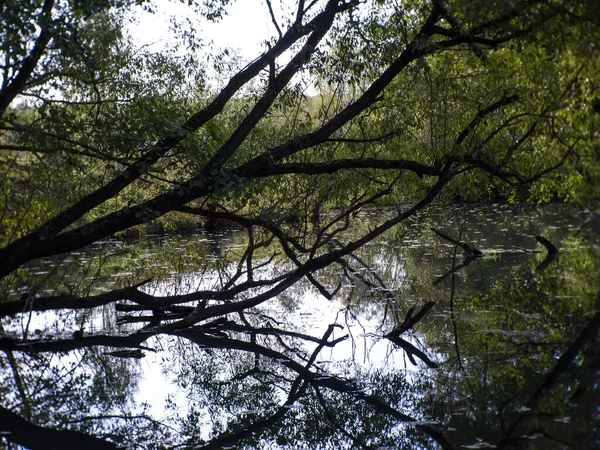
{"x":500,"y":360}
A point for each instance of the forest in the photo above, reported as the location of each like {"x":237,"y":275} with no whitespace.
{"x":380,"y":230}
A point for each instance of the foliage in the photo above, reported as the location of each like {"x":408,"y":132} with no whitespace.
{"x":414,"y":101}
{"x":494,"y":386}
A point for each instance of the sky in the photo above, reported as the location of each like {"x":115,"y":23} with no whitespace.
{"x":243,"y":31}
{"x":246,"y":26}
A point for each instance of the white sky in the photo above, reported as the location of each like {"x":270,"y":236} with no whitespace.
{"x":245,"y":28}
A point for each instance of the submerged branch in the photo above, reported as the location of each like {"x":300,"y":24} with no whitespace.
{"x":550,"y":257}
{"x":455,"y":268}
{"x":410,"y":320}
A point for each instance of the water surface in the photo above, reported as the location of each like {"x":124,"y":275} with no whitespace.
{"x":506,"y":356}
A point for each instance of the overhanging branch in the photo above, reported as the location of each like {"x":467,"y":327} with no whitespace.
{"x":319,"y":168}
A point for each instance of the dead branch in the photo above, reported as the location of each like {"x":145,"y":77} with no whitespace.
{"x":469,"y":250}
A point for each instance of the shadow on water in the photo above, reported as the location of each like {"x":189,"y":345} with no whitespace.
{"x":421,"y":346}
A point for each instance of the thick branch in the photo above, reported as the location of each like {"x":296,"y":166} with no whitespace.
{"x":345,"y":164}
{"x":20,"y":431}
{"x":550,"y":247}
{"x":320,"y":28}
{"x":16,"y":86}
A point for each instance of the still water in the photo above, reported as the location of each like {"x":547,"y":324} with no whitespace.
{"x":505,"y":352}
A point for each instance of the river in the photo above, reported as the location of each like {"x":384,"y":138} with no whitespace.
{"x":505,"y":352}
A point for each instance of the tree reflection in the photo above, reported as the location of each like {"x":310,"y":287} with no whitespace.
{"x":265,"y":364}
{"x":520,"y":357}
{"x":513,"y":367}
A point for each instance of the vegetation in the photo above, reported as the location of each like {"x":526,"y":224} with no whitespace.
{"x":350,"y":105}
{"x":514,"y":382}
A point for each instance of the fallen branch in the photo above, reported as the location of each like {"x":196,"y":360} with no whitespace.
{"x":468,"y":260}
{"x":466,"y":247}
{"x":410,"y":320}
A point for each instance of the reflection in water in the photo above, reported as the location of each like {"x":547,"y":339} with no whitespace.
{"x":507,"y":357}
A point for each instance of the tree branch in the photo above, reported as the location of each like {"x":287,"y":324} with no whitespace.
{"x":273,"y":19}
{"x":22,"y":432}
{"x":15,"y":87}
{"x":318,"y":168}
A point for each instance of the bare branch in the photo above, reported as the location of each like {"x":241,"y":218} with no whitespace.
{"x":273,"y":19}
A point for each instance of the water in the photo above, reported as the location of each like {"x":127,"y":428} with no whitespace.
{"x":501,"y":361}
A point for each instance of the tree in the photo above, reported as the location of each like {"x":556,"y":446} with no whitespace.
{"x":228,"y":166}
{"x":423,"y":98}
